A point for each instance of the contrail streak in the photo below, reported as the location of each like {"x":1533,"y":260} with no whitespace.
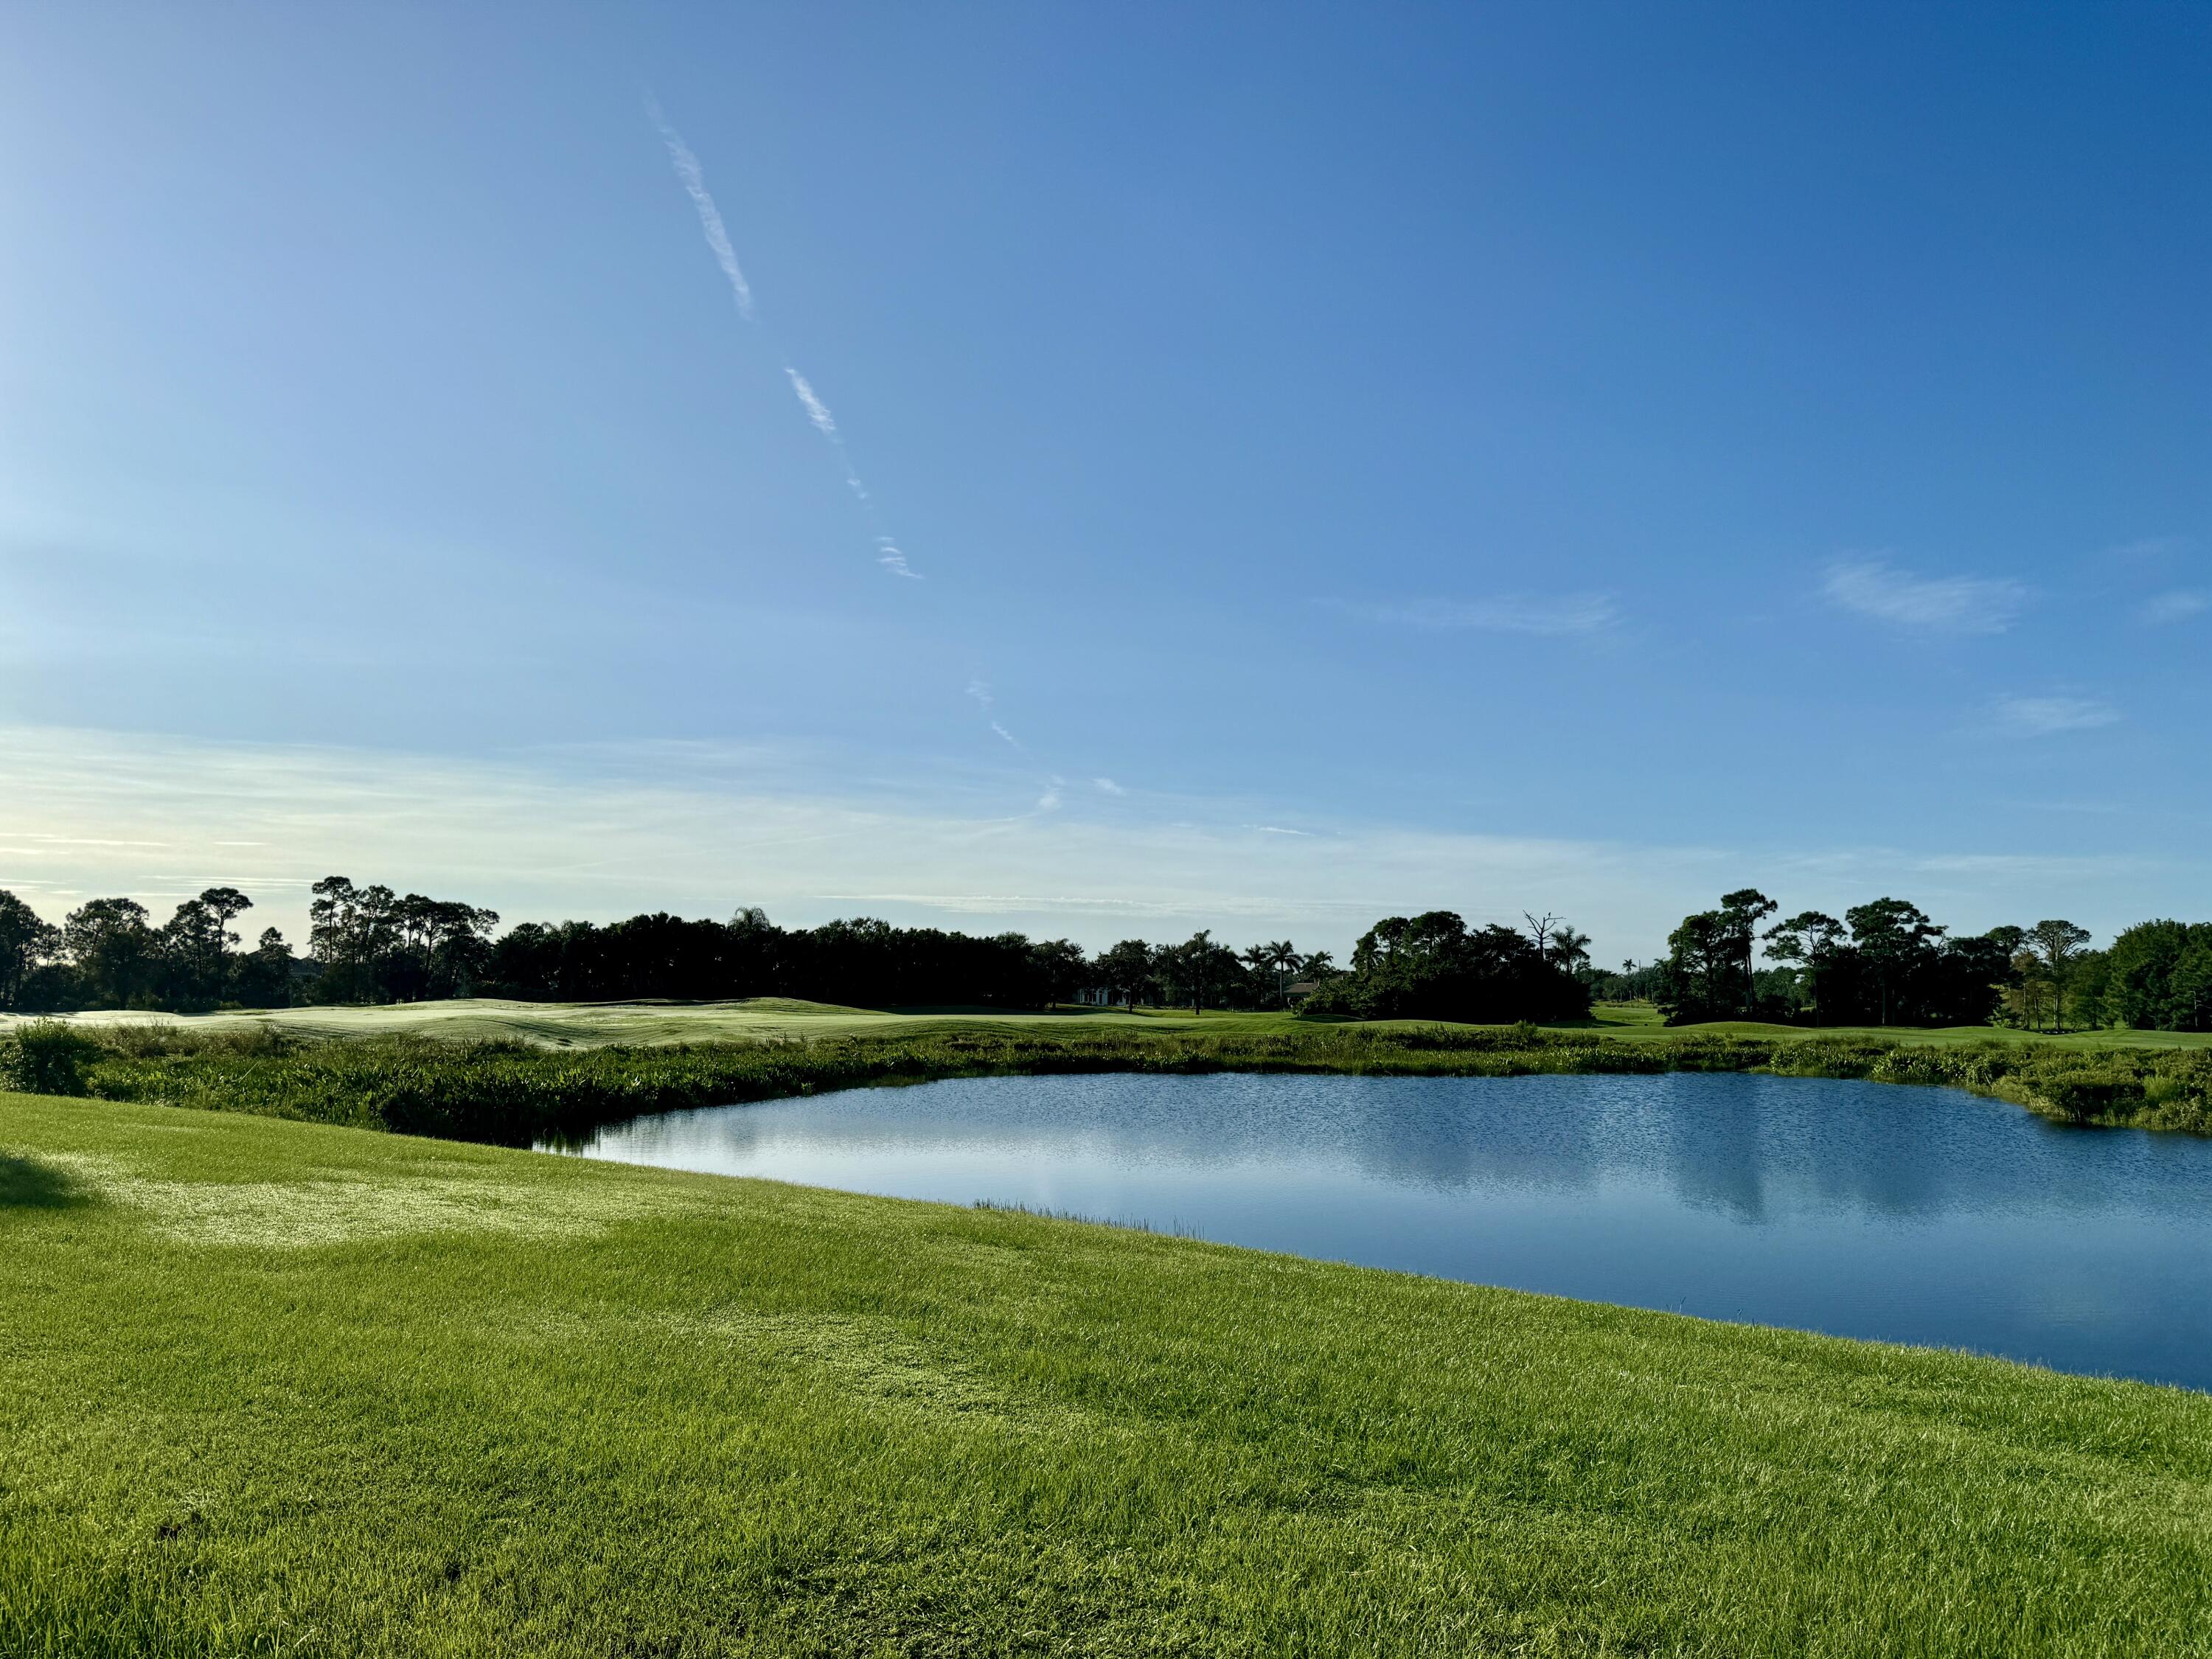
{"x":817,"y":412}
{"x":889,"y":555}
{"x":693,"y":180}
{"x":710,"y":216}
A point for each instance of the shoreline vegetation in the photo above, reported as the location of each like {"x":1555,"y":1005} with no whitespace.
{"x":503,"y":1091}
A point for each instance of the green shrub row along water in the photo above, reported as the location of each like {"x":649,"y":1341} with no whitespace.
{"x":508,"y":1093}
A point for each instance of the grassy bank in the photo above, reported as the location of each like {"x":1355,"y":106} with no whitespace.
{"x":509,"y":1093}
{"x":272,"y":1388}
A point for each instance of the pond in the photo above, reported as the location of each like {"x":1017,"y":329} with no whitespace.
{"x":1862,"y":1209}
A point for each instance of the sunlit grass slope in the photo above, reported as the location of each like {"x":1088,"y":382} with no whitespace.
{"x":277,"y":1388}
{"x":594,"y":1024}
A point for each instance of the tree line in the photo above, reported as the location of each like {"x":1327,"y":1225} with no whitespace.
{"x":368,"y":943}
{"x":1887,"y":962}
{"x":1884,"y":963}
{"x":108,"y":952}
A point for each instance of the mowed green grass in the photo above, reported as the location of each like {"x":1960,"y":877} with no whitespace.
{"x":597,"y":1024}
{"x":273,"y":1388}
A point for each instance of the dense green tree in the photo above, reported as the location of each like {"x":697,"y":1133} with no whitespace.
{"x":1892,"y":939}
{"x":1810,"y":942}
{"x":2143,"y":960}
{"x":375,"y":945}
{"x":1741,"y":913}
{"x":2159,"y":976}
{"x":350,"y":932}
{"x":2087,"y":987}
{"x":262,"y":977}
{"x":1701,"y":964}
{"x":2189,"y":991}
{"x":1884,"y":963}
{"x":112,"y":948}
{"x":1963,"y":979}
{"x":1062,"y":968}
{"x":2058,"y":945}
{"x":1199,"y":970}
{"x":1709,"y":973}
{"x":441,"y":949}
{"x":1433,"y":966}
{"x":196,"y":967}
{"x":27,"y":939}
{"x":1128,"y":969}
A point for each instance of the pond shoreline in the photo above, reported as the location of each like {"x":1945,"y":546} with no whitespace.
{"x":1875,"y":1210}
{"x":514,"y":1093}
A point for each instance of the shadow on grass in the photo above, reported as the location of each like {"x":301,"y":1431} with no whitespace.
{"x":25,"y":1185}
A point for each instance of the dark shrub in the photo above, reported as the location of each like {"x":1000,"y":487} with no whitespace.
{"x":46,"y":1057}
{"x":2086,"y":1096}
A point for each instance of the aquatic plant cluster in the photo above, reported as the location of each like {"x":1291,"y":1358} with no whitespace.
{"x":511,"y":1093}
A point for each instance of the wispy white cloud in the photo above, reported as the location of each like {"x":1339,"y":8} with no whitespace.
{"x":892,"y":560}
{"x":1276,"y":830}
{"x":1947,"y":605}
{"x":985,"y":698}
{"x":1553,"y":616}
{"x":2180,"y":605}
{"x":710,"y":217}
{"x":701,"y":829}
{"x":1049,"y":801}
{"x":2043,"y":717}
{"x":817,"y":410}
{"x":91,"y":841}
{"x":1108,"y":786}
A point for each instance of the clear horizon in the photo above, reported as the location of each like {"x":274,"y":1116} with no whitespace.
{"x":1108,"y":475}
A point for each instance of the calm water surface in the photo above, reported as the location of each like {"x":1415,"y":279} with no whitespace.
{"x":1912,"y":1215}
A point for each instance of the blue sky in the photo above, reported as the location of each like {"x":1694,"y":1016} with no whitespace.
{"x":1578,"y":458}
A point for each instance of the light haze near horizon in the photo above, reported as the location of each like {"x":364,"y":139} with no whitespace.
{"x":1355,"y":460}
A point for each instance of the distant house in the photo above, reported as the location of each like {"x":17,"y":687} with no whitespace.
{"x":1299,"y":989}
{"x":1096,"y":996}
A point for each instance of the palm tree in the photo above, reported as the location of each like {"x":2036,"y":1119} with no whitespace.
{"x":1570,"y":949}
{"x":1283,"y":956}
{"x":1194,"y":958}
{"x":1256,"y":960}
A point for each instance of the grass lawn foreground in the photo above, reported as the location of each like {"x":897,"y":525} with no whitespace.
{"x":279,"y":1387}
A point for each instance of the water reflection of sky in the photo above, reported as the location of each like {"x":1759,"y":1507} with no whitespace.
{"x":1916,"y":1215}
